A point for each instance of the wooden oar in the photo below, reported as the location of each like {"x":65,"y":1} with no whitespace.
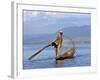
{"x":33,"y":55}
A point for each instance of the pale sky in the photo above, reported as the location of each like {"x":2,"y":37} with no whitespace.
{"x":41,"y":22}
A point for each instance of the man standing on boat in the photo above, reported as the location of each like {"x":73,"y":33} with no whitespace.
{"x":57,"y":43}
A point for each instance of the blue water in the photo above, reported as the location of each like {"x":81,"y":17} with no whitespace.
{"x":46,"y":59}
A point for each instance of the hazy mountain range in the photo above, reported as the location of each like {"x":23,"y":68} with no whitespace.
{"x":81,"y":33}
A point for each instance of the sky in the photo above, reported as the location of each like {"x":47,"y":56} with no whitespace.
{"x":42,"y":22}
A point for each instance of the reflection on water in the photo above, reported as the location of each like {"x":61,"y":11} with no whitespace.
{"x":59,"y":63}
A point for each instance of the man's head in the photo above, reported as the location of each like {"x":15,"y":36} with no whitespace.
{"x":61,"y":32}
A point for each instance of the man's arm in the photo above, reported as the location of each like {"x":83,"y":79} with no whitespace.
{"x":61,"y":42}
{"x":55,"y":39}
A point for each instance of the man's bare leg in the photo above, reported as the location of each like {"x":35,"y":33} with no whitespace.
{"x":59,"y":51}
{"x":58,"y":62}
{"x":56,"y":50}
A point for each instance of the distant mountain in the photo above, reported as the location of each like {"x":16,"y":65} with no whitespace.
{"x":76,"y":33}
{"x":38,"y":38}
{"x":81,"y":31}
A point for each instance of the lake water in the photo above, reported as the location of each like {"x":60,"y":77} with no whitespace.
{"x":46,"y":59}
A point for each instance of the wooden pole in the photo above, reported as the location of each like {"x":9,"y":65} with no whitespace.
{"x":33,"y":55}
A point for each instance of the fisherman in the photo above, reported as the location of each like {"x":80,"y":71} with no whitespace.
{"x":57,"y":42}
